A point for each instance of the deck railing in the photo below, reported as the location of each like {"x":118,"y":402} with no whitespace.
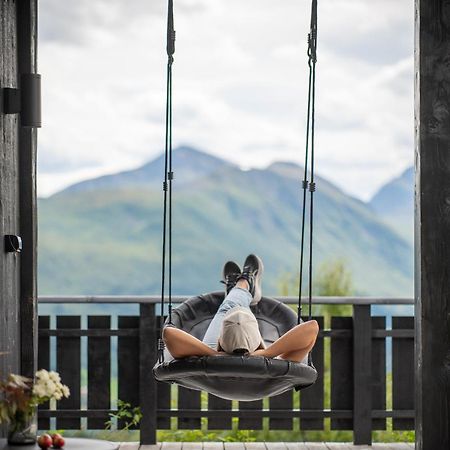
{"x":358,"y":369}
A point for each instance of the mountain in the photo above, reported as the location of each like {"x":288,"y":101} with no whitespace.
{"x":195,"y":164}
{"x":103,"y":236}
{"x":394,"y":203}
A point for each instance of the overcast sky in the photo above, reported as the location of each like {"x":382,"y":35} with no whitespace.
{"x":240,"y":75}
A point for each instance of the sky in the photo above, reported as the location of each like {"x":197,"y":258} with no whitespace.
{"x":239,"y":86}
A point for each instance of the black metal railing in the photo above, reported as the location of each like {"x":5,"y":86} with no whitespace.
{"x":89,"y":351}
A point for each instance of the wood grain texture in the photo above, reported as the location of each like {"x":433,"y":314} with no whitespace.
{"x":432,"y":238}
{"x":27,"y":63}
{"x":9,"y":199}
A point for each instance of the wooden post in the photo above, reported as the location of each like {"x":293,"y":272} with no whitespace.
{"x":362,"y":375}
{"x":27,"y":57}
{"x":9,"y":199}
{"x":432,"y":236}
{"x":147,"y":383}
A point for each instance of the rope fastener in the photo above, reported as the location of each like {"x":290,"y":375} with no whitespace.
{"x":161,"y":347}
{"x":312,"y":186}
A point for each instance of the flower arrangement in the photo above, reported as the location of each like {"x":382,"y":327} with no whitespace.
{"x":21,"y":396}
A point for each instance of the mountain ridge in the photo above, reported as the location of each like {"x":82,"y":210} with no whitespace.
{"x":108,"y":234}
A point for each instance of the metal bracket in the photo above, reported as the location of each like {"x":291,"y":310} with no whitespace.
{"x":13,"y":243}
{"x":26,"y":100}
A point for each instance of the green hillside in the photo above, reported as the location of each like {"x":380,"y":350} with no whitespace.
{"x":394,"y":203}
{"x":104,"y":236}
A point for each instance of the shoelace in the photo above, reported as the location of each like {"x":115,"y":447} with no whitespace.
{"x":249,"y":276}
{"x":230,"y":281}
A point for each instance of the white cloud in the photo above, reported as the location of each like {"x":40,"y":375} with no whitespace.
{"x":240,"y":79}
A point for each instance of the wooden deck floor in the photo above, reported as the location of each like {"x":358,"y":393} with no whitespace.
{"x":265,"y":446}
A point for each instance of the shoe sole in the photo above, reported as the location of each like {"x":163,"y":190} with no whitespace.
{"x":258,"y":291}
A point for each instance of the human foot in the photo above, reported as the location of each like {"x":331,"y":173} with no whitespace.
{"x":230,"y":275}
{"x":252,"y":273}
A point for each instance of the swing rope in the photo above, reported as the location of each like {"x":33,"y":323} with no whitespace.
{"x":169,"y":175}
{"x":167,"y":185}
{"x":309,"y":146}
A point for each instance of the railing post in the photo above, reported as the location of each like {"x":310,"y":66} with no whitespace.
{"x":147,"y":384}
{"x":362,"y":375}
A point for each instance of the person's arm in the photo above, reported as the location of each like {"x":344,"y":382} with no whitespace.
{"x":181,"y":344}
{"x":293,"y":345}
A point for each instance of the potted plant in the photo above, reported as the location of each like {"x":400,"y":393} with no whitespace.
{"x":19,"y":397}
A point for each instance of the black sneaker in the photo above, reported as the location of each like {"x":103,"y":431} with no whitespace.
{"x":231,"y":273}
{"x":252,"y":273}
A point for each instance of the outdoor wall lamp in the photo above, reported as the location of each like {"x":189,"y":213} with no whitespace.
{"x":13,"y":243}
{"x":25,"y":100}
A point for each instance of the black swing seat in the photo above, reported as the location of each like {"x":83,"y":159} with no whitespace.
{"x":235,"y":377}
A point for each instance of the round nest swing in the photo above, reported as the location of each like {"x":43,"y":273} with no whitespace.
{"x":235,"y":377}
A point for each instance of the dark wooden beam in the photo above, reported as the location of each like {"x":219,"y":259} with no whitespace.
{"x":9,"y":198}
{"x":27,"y":56}
{"x":362,"y":375}
{"x":432,"y":236}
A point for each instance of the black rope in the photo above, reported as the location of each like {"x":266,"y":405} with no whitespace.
{"x":309,"y":185}
{"x":305,"y":188}
{"x":167,"y":183}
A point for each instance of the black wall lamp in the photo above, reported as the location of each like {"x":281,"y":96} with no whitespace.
{"x":25,"y":100}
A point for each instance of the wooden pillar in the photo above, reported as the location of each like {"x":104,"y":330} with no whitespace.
{"x":9,"y":197}
{"x":27,"y":62}
{"x":432,"y":226}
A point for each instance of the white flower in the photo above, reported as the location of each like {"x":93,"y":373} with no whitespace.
{"x":54,"y":376}
{"x":42,"y":375}
{"x":50,"y":387}
{"x":57,"y":396}
{"x":39,"y":390}
{"x":65,"y":391}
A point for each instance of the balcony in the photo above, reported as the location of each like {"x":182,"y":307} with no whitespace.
{"x":365,"y":364}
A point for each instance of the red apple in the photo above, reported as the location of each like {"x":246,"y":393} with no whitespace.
{"x":58,"y":441}
{"x":45,"y":441}
{"x":55,"y":436}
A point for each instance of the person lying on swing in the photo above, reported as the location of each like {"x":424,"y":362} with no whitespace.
{"x":234,"y":329}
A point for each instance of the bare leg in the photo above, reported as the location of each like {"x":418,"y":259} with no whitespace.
{"x":181,"y":344}
{"x":295,"y":344}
